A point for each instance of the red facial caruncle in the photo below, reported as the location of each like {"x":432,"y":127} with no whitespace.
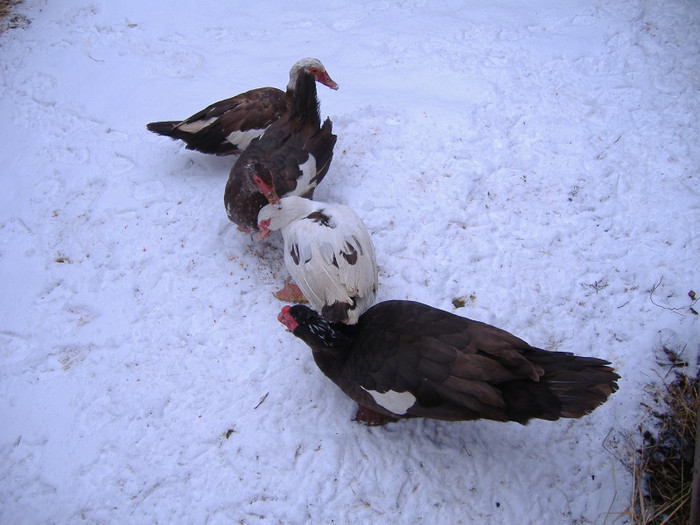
{"x":268,"y":190}
{"x":286,"y":319}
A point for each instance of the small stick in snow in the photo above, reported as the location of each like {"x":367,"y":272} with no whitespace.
{"x":262,"y":400}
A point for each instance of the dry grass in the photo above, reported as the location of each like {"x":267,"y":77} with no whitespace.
{"x":663,"y":467}
{"x":9,"y":19}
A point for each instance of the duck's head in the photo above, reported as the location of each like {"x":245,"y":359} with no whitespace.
{"x":314,"y":67}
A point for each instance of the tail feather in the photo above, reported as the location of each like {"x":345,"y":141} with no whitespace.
{"x":164,"y":128}
{"x":206,"y":140}
{"x":321,"y":147}
{"x":570,"y":387}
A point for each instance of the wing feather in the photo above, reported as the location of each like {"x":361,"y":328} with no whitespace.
{"x":461,"y":361}
{"x":335,"y":264}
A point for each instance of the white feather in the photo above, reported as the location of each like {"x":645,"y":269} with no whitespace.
{"x":196,"y":126}
{"x":308,"y":172}
{"x":322,"y":271}
{"x":395,"y":402}
{"x":242,"y":138}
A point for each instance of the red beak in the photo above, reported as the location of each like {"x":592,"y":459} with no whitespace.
{"x":326,"y":80}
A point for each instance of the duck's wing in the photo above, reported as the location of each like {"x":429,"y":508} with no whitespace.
{"x":227,"y":127}
{"x":442,"y":365}
{"x":330,"y":256}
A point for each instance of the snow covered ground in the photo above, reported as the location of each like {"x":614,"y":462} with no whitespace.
{"x":537,"y":161}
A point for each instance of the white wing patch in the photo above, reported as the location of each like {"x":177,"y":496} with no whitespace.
{"x":395,"y":402}
{"x":242,"y":139}
{"x":308,"y":172}
{"x":196,"y":126}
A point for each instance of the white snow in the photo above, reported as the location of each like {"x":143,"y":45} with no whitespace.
{"x":538,"y":160}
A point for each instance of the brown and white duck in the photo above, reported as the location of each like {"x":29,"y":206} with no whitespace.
{"x":405,"y":359}
{"x":328,"y":253}
{"x":227,"y":127}
{"x":291,"y":157}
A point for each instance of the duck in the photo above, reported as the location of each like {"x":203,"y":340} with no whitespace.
{"x":405,"y":359}
{"x":291,"y":158}
{"x":227,"y":127}
{"x":328,"y":253}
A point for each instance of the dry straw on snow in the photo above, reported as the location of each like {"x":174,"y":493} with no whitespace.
{"x":663,"y":466}
{"x":9,"y":19}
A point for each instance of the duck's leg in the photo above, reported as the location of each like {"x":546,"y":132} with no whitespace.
{"x":372,"y":418}
{"x":291,"y":293}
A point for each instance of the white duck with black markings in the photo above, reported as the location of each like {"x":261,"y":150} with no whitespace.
{"x":328,"y":253}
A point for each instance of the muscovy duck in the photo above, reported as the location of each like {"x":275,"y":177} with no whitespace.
{"x":291,"y":157}
{"x":227,"y":127}
{"x":329,"y":254}
{"x":405,"y":359}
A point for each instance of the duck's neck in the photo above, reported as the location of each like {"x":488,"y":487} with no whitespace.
{"x":292,"y":209}
{"x":331,"y":359}
{"x":305,"y":106}
{"x":293,"y":76}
